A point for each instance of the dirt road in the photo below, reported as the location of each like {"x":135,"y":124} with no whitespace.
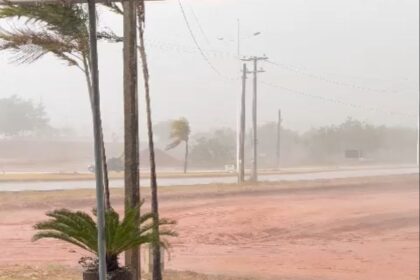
{"x":361,"y":228}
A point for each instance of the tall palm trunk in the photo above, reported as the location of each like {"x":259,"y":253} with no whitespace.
{"x":186,"y":157}
{"x":107,"y":198}
{"x":131,"y":126}
{"x":157,"y":270}
{"x":106,"y":178}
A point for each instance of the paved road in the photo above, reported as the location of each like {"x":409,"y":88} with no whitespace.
{"x":65,"y":185}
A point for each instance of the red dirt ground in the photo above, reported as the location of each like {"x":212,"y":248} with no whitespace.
{"x":362,"y":229}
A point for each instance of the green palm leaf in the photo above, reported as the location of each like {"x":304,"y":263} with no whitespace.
{"x":29,"y":46}
{"x":79,"y":228}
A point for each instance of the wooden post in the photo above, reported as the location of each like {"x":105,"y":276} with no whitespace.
{"x":254,"y":168}
{"x":131,"y":124}
{"x":279,"y":120}
{"x":241,"y":148}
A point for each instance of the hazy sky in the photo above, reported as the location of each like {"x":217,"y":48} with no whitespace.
{"x":359,"y":52}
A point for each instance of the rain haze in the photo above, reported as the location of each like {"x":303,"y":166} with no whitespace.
{"x":362,"y":53}
{"x":273,"y":140}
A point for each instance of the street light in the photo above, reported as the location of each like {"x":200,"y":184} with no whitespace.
{"x":239,"y":38}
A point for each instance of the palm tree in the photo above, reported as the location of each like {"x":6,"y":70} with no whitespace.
{"x":58,"y":29}
{"x":141,"y":12}
{"x":180,"y":132}
{"x":157,"y":269}
{"x":79,"y":228}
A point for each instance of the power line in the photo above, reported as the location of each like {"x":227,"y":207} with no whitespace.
{"x":195,"y":40}
{"x":199,"y":25}
{"x":337,"y":101}
{"x":167,"y":46}
{"x":329,"y":80}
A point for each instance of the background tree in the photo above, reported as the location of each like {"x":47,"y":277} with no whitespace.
{"x":377,"y":143}
{"x":57,"y":29}
{"x":180,"y":132}
{"x":323,"y":145}
{"x":215,"y":149}
{"x":19,"y":116}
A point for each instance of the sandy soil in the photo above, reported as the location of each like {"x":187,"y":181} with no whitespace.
{"x":364,"y":228}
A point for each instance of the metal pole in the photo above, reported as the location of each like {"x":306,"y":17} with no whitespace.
{"x":131,"y":124}
{"x":241,"y":150}
{"x":254,"y":175}
{"x":100,"y":205}
{"x":238,"y":139}
{"x":278,"y":140}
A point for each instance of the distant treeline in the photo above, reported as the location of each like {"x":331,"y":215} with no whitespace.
{"x":324,"y":145}
{"x":22,"y":119}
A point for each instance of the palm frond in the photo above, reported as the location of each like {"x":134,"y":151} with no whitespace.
{"x":173,"y":144}
{"x":75,"y":227}
{"x":59,"y":236}
{"x":180,"y":130}
{"x":60,"y":29}
{"x":110,"y":36}
{"x":64,"y":18}
{"x":114,"y":7}
{"x":162,"y":222}
{"x":81,"y":225}
{"x":28,"y":46}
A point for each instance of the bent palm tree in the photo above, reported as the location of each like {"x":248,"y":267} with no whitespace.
{"x":79,"y":228}
{"x":180,"y":132}
{"x":58,"y":29}
{"x":157,"y":269}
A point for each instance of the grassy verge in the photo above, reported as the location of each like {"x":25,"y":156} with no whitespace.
{"x":76,"y":176}
{"x":84,"y":197}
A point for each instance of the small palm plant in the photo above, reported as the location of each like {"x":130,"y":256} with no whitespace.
{"x":79,"y":228}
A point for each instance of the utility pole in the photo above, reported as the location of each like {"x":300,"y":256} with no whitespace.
{"x":131,"y":124}
{"x":254,"y":171}
{"x":279,"y":120}
{"x":418,"y":138}
{"x":241,"y":140}
{"x":97,"y":124}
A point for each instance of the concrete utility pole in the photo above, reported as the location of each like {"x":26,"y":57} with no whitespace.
{"x":279,"y":120}
{"x":241,"y":134}
{"x":97,"y":124}
{"x":254,"y":171}
{"x":418,"y":138}
{"x":131,"y":123}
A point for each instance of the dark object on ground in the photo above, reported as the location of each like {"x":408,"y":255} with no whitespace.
{"x":114,"y":164}
{"x":121,"y":274}
{"x":353,"y":154}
